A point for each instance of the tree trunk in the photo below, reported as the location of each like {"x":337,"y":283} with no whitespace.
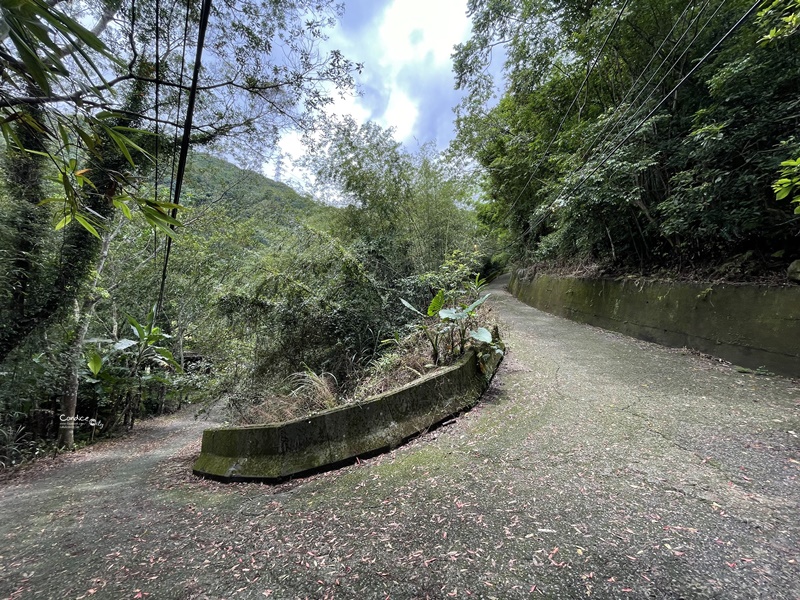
{"x":66,"y":430}
{"x":162,"y":398}
{"x":23,"y":180}
{"x":79,"y":249}
{"x":83,"y":316}
{"x":126,"y":412}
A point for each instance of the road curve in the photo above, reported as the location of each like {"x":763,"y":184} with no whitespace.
{"x":597,"y":466}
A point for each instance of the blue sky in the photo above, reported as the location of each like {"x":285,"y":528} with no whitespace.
{"x":405,"y":46}
{"x":407,"y":82}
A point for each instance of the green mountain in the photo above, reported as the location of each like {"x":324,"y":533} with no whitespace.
{"x":242,"y":193}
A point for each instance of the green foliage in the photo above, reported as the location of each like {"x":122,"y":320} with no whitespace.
{"x":433,"y":332}
{"x":39,"y":32}
{"x":448,"y":328}
{"x":474,"y":287}
{"x":459,"y":320}
{"x":436,"y":304}
{"x":482,"y":335}
{"x":241,"y":193}
{"x":780,"y":18}
{"x":407,"y":210}
{"x":144,"y":350}
{"x":85,"y":136}
{"x":15,"y":446}
{"x":95,"y":363}
{"x":313,"y":302}
{"x":454,"y":273}
{"x":789,"y":183}
{"x":630,"y":174}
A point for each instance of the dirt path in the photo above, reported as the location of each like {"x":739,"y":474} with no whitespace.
{"x":597,"y":466}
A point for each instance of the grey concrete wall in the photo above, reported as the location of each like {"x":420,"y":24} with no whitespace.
{"x":749,"y":325}
{"x":268,"y":452}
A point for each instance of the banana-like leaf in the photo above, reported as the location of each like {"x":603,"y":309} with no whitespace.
{"x":452,"y":314}
{"x":481,"y":334}
{"x":476,"y":304}
{"x":408,"y":306}
{"x":436,"y":304}
{"x":137,"y":328}
{"x":168,"y":357}
{"x":124,"y":344}
{"x":95,"y":363}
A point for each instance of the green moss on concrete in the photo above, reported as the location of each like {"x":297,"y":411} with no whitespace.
{"x":384,"y":421}
{"x":749,"y":325}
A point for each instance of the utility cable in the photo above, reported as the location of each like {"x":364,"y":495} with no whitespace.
{"x":652,"y":76}
{"x":180,"y":91}
{"x":611,"y":124}
{"x":607,"y":157}
{"x":699,"y":63}
{"x":205,"y":11}
{"x":175,"y":135}
{"x":158,"y":101}
{"x":574,"y":100}
{"x":664,"y":77}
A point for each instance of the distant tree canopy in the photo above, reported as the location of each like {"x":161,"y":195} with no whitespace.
{"x":97,"y":108}
{"x":636,"y":135}
{"x":94,"y":99}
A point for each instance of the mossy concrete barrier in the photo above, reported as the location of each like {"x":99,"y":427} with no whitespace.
{"x":276,"y":451}
{"x":749,"y":325}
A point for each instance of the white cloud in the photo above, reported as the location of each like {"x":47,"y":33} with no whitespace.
{"x":401,"y":113}
{"x":409,"y":35}
{"x":413,"y":29}
{"x":405,"y":49}
{"x":416,"y":34}
{"x":350,"y":105}
{"x":291,"y":149}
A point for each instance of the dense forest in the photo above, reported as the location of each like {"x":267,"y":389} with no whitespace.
{"x":139,"y":270}
{"x":265,"y":293}
{"x":638,"y":136}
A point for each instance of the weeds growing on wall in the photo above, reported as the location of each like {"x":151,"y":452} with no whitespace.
{"x":416,"y":344}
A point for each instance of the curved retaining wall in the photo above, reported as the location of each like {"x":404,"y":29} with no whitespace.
{"x":276,"y":451}
{"x":748,"y":325}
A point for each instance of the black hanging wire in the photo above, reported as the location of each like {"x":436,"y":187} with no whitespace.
{"x":187,"y":131}
{"x":175,"y":138}
{"x":180,"y":92}
{"x":638,"y":111}
{"x":696,"y":66}
{"x":157,"y":93}
{"x":589,"y":70}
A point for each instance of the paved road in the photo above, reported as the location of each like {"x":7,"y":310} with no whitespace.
{"x":597,"y":466}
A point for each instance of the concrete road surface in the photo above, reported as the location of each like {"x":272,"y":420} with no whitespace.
{"x":597,"y":466}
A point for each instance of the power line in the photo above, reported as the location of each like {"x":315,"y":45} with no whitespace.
{"x":610,"y":122}
{"x":719,"y":42}
{"x":664,"y":77}
{"x":652,"y":112}
{"x":652,"y":58}
{"x":180,"y":89}
{"x":574,"y":100}
{"x":173,"y":164}
{"x":157,"y":102}
{"x":187,"y":132}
